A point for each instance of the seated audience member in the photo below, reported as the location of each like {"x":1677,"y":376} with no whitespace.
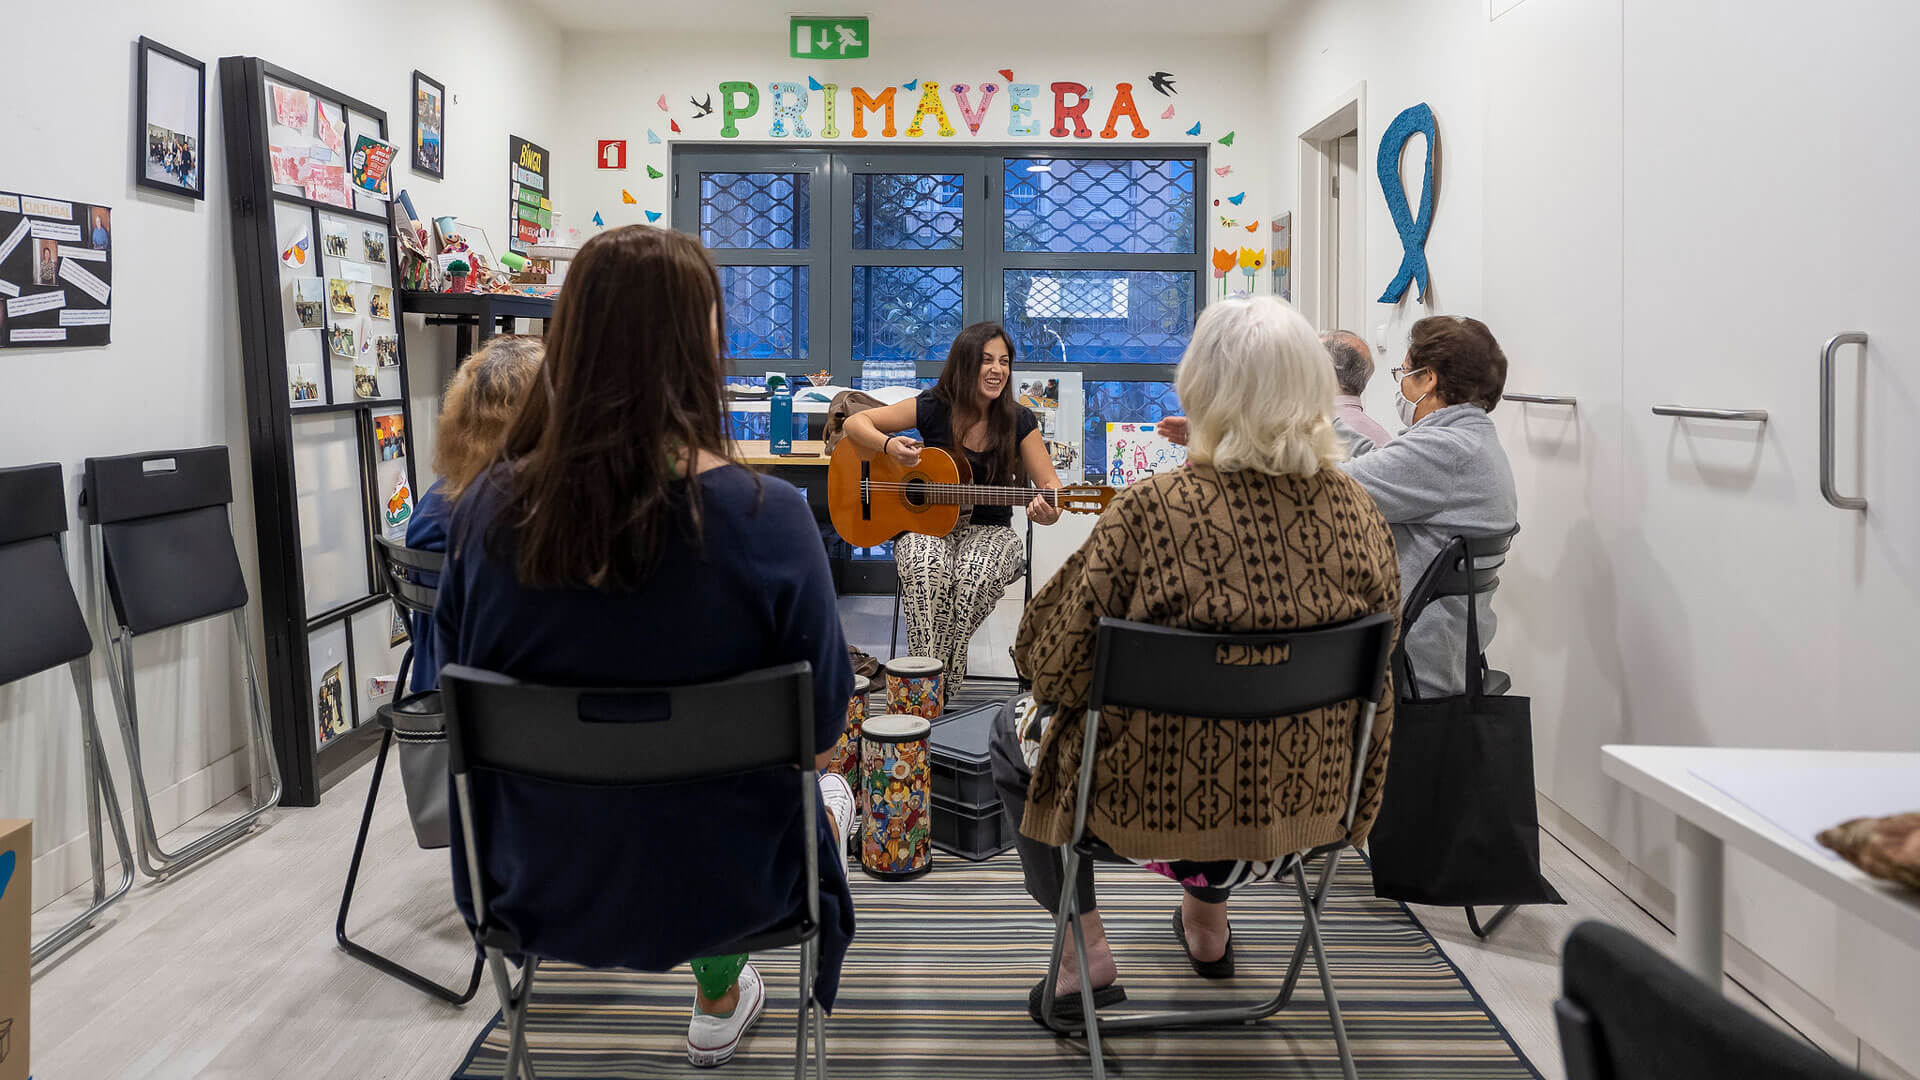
{"x":1259,"y":391}
{"x":1352,"y":370}
{"x":615,"y":544}
{"x":480,"y":401}
{"x":1444,"y":476}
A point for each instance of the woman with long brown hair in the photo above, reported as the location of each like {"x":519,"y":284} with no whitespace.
{"x":615,"y":544}
{"x":950,"y":584}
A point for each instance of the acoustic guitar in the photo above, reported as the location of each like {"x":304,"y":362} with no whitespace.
{"x":873,"y":498}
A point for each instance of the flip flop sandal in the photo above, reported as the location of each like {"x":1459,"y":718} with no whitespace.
{"x":1067,"y":1006}
{"x":1207,"y":969}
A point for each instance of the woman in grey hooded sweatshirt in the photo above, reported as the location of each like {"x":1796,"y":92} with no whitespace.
{"x":1445,"y":476}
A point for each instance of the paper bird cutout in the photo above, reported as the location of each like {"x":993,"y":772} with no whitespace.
{"x":814,"y":84}
{"x":1162,"y":82}
{"x":627,"y":197}
{"x":1237,"y":199}
{"x":1007,"y":74}
{"x":1227,"y":139}
{"x":673,"y":126}
{"x":1168,"y":115}
{"x":1227,"y":222}
{"x":1194,"y":130}
{"x":701,"y":108}
{"x":1222,"y":171}
{"x":1253,"y":226}
{"x":914,"y":85}
{"x":662,"y":103}
{"x":653,"y":137}
{"x":596,"y":218}
{"x":653,"y":216}
{"x":653,"y":173}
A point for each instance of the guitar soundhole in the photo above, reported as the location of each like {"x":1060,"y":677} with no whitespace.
{"x":916,"y":493}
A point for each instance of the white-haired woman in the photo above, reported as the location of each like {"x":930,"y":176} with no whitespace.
{"x":1260,"y":532}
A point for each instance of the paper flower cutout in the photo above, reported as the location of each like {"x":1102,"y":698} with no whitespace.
{"x":1194,"y":130}
{"x":1223,"y":261}
{"x":627,"y":196}
{"x":1252,"y":258}
{"x":1237,"y":199}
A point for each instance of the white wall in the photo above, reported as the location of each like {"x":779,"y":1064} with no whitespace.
{"x":172,"y":376}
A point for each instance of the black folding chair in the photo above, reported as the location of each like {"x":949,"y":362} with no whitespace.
{"x":1186,"y":673}
{"x":1628,"y":1013}
{"x":619,"y":739}
{"x":163,"y":554}
{"x":414,"y":718}
{"x":44,"y":629}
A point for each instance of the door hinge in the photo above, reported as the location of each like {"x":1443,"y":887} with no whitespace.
{"x":676,"y":185}
{"x":1336,"y":185}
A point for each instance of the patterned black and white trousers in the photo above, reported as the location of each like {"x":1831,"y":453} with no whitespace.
{"x":949,"y":585}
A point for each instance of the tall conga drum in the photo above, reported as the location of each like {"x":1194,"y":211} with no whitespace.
{"x":913,"y":686}
{"x":896,"y":840}
{"x":846,"y":752}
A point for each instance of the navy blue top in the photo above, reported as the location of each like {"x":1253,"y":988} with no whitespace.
{"x":755,"y":593}
{"x":933,"y":415}
{"x":427,"y":531}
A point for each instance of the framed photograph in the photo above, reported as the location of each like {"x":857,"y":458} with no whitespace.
{"x":170,"y":123}
{"x":429,"y":126}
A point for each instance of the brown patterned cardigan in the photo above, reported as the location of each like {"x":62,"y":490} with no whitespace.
{"x":1200,"y":549}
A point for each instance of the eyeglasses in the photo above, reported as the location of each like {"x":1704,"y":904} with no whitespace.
{"x":1402,"y":372}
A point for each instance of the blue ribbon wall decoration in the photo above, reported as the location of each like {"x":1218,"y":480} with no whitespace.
{"x":1413,"y":229}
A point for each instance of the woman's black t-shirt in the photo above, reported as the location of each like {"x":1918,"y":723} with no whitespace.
{"x":933,"y":415}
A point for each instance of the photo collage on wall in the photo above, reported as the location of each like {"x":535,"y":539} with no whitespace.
{"x":56,"y":272}
{"x":1058,"y":403}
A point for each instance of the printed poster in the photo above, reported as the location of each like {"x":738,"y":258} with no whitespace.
{"x":56,"y":272}
{"x":1057,"y":402}
{"x":371,"y":165}
{"x":330,"y":707}
{"x":1135,"y":452}
{"x":390,"y":431}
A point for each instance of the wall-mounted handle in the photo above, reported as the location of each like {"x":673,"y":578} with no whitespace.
{"x":1540,"y":399}
{"x":1844,"y":502}
{"x":1758,"y":416}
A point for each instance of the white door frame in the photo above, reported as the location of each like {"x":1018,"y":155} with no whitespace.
{"x":1314,"y":287}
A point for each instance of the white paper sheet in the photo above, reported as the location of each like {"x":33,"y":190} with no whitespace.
{"x":49,"y":230}
{"x":84,"y":254}
{"x":83,"y":279}
{"x":8,"y":288}
{"x":355,"y":271}
{"x":27,"y":305}
{"x":37,"y":334}
{"x":85,"y":317}
{"x":10,"y":204}
{"x":1805,"y":800}
{"x":18,"y":234}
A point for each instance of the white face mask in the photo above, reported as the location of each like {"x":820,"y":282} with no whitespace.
{"x":1401,"y":404}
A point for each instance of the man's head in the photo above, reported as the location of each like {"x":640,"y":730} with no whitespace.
{"x":1352,"y":360}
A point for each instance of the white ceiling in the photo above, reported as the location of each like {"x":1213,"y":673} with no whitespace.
{"x":923,"y":18}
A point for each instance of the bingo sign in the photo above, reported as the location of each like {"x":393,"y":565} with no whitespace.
{"x":818,"y":37}
{"x":531,"y":210}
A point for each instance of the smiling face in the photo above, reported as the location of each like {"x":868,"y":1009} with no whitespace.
{"x":996,"y":368}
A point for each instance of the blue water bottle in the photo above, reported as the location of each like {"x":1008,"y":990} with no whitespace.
{"x":779,"y":416}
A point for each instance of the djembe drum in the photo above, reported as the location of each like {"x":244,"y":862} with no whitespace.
{"x":913,"y":686}
{"x":846,"y":752}
{"x":896,"y":840}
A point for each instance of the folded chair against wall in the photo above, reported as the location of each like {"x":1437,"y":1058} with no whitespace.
{"x":43,"y":629}
{"x":534,"y":765}
{"x":1628,"y":1013}
{"x":1165,"y":670}
{"x":420,"y":725}
{"x":163,"y":556}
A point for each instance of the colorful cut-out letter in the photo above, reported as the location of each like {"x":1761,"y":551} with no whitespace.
{"x":930,"y":103}
{"x":731,"y":112}
{"x":862,"y":104}
{"x":789,"y":105}
{"x":1077,"y":111}
{"x":1020,"y":108}
{"x":1123,"y":106}
{"x":975,"y":115}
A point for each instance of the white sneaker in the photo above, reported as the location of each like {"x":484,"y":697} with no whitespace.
{"x":711,"y":1040}
{"x":838,"y":795}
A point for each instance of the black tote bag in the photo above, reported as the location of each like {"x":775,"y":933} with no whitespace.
{"x":1458,"y":825}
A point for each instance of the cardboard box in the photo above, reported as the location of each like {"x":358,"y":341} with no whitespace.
{"x":16,"y":943}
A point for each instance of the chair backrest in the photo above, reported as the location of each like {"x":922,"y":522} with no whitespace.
{"x":1629,"y":1013}
{"x":43,"y":626}
{"x":602,"y":777}
{"x":401,"y":567}
{"x":168,"y":543}
{"x":1466,"y":566}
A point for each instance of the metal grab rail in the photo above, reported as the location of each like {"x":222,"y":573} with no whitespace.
{"x":1754,"y":415}
{"x":1540,"y":399}
{"x":1843,"y":502}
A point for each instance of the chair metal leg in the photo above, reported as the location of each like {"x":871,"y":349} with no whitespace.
{"x":805,"y":1013}
{"x":98,"y":781}
{"x":1312,"y":916}
{"x":1485,"y":930}
{"x":893,"y":639}
{"x":1086,"y":991}
{"x":1064,"y":909}
{"x":361,"y":952}
{"x":513,"y":1011}
{"x":152,"y":859}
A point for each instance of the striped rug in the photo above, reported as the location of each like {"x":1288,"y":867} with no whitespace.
{"x":936,"y":987}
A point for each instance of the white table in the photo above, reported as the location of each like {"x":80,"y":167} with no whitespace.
{"x":1710,"y":819}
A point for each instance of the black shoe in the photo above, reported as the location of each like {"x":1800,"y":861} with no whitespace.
{"x":1207,"y":969}
{"x":1067,"y":1006}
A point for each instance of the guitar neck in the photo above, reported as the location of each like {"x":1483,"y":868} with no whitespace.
{"x":985,"y":495}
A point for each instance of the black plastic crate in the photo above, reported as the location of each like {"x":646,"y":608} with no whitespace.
{"x":972,"y":833}
{"x":957,"y":754}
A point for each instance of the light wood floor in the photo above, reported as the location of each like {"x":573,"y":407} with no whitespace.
{"x":231,"y":971}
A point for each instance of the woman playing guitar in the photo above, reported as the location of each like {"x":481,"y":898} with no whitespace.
{"x":949,"y":584}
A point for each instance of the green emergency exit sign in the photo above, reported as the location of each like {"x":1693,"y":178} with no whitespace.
{"x":820,"y":37}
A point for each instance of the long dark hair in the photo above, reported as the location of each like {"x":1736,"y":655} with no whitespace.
{"x":633,"y":385}
{"x":959,"y":385}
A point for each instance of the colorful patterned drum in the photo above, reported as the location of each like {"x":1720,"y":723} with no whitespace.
{"x":846,"y":752}
{"x":913,"y":686}
{"x":896,"y":840}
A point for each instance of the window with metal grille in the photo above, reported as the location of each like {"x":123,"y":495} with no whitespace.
{"x":1091,"y":257}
